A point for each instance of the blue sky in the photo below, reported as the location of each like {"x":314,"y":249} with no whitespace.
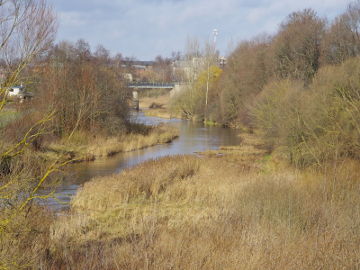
{"x":147,"y":28}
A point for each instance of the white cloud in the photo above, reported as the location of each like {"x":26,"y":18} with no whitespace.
{"x":146,"y":28}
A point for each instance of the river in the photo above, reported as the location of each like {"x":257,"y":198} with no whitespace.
{"x":194,"y":137}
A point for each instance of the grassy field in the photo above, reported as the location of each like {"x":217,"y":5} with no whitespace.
{"x":236,"y":208}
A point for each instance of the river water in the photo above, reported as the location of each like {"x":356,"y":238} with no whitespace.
{"x":194,"y":137}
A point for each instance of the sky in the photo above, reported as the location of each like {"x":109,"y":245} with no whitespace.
{"x":145,"y":29}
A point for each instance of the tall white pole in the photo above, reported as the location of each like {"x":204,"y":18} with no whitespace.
{"x":215,"y":33}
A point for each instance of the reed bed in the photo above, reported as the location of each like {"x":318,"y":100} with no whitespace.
{"x":84,"y":147}
{"x":223,"y":210}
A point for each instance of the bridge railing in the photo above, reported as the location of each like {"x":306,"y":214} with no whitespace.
{"x":152,"y":85}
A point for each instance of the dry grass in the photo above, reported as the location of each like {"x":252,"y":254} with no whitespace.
{"x":24,"y":243}
{"x":157,"y":106}
{"x":7,"y":116}
{"x":219,"y":211}
{"x":146,"y":102}
{"x":159,"y":112}
{"x":84,"y":147}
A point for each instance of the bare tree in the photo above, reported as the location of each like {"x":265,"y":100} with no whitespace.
{"x":83,"y":49}
{"x":342,"y":39}
{"x":192,"y":48}
{"x":27,"y":29}
{"x":297,"y":46}
{"x":102,"y":54}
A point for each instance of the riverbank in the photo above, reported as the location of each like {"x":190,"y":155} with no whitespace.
{"x":237,"y":207}
{"x":157,"y":106}
{"x":84,"y":147}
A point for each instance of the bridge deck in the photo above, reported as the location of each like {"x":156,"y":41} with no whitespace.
{"x":151,"y":85}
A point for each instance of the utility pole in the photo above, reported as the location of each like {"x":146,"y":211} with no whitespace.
{"x":215,"y":33}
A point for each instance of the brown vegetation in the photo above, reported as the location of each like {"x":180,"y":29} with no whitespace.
{"x":235,"y":208}
{"x":287,"y":87}
{"x":317,"y":124}
{"x":303,"y":44}
{"x":83,"y":147}
{"x":293,"y":53}
{"x":77,"y":94}
{"x":84,"y":89}
{"x":157,"y":106}
{"x":191,"y":102}
{"x":27,"y":30}
{"x":242,"y":207}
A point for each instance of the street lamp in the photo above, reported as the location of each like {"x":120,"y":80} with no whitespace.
{"x":215,"y":33}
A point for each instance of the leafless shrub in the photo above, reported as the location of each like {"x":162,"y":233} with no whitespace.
{"x":27,"y":28}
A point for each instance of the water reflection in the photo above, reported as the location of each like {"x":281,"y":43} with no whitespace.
{"x":194,"y":137}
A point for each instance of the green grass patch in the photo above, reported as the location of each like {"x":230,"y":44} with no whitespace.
{"x":7,"y":116}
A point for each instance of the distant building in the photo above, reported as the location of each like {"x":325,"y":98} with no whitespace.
{"x":222,"y":61}
{"x":191,"y":68}
{"x":18,"y":92}
{"x":138,"y":69}
{"x":128,"y":77}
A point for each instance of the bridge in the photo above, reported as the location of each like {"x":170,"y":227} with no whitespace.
{"x":147,"y":85}
{"x":173,"y":88}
